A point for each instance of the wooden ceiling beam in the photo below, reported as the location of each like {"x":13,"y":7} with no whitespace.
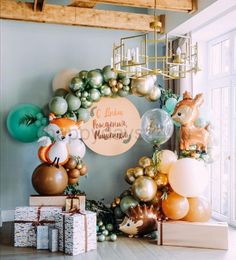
{"x":84,"y":4}
{"x":172,"y":5}
{"x":69,"y":15}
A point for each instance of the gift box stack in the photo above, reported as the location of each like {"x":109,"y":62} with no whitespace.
{"x":50,"y":220}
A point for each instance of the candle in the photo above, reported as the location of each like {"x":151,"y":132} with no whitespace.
{"x":111,"y":63}
{"x":137,"y":55}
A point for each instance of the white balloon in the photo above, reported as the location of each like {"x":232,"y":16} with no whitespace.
{"x":188,"y":177}
{"x":165,"y":159}
{"x":62,"y":78}
{"x":77,"y":148}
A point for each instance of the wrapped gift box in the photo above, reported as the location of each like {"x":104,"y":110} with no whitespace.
{"x":77,"y":232}
{"x":26,"y":221}
{"x":77,"y":201}
{"x":193,"y":234}
{"x":53,"y":239}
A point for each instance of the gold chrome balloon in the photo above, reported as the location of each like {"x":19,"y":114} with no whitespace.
{"x":112,"y":82}
{"x":138,"y":171}
{"x":117,"y":200}
{"x":154,"y":94}
{"x":161,"y":179}
{"x":150,"y":171}
{"x":129,"y":175}
{"x":141,"y":86}
{"x":145,"y":161}
{"x":144,"y":188}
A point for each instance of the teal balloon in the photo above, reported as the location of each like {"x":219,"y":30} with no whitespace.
{"x":61,"y":92}
{"x":177,"y":124}
{"x":58,"y":105}
{"x":95,"y":78}
{"x":156,"y":126}
{"x":170,"y":104}
{"x":38,"y":123}
{"x":39,"y":116}
{"x":165,"y":109}
{"x":95,"y":94}
{"x":73,"y":102}
{"x":83,"y":74}
{"x":118,"y":212}
{"x":108,"y":73}
{"x":44,"y":121}
{"x":127,"y":202}
{"x":76,"y":84}
{"x":41,"y":132}
{"x":16,"y":126}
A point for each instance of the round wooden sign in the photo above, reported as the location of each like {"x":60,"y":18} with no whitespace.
{"x":114,"y":126}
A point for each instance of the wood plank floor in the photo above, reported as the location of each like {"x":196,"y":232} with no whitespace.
{"x":124,"y":248}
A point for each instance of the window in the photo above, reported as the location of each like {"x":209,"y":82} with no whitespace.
{"x":222,"y":96}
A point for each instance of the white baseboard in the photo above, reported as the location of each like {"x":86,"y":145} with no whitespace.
{"x":7,"y":215}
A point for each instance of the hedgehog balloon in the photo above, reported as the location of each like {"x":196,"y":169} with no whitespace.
{"x":140,"y":220}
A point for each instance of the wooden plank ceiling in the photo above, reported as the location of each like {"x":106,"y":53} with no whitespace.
{"x":84,"y":13}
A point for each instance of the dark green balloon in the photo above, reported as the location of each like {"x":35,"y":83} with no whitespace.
{"x":95,"y":95}
{"x":86,"y":104}
{"x":61,"y":92}
{"x":95,"y":78}
{"x":127,"y":202}
{"x":118,"y":212}
{"x":16,"y":126}
{"x":83,"y":74}
{"x":76,"y":84}
{"x":58,"y":105}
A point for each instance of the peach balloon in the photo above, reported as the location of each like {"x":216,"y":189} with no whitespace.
{"x":175,"y":206}
{"x":165,"y":159}
{"x":199,"y":210}
{"x":188,"y":177}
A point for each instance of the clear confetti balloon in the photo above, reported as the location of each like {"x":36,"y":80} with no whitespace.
{"x":156,"y":126}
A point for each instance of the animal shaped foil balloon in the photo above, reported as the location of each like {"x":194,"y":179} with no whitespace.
{"x":140,"y":220}
{"x":65,"y":133}
{"x":186,"y":112}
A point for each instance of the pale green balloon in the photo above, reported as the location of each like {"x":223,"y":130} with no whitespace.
{"x":58,"y":105}
{"x":123,"y":93}
{"x":86,"y":104}
{"x":83,"y":114}
{"x":106,"y":90}
{"x":74,"y":102}
{"x":95,"y":94}
{"x":170,"y":104}
{"x":108,"y":73}
{"x":95,"y":78}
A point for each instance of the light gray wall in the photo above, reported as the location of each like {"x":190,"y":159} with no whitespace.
{"x":31,"y":54}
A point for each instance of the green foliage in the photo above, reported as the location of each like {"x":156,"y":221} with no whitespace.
{"x":27,"y":120}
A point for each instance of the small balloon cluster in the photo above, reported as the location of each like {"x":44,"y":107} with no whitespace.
{"x":75,"y":168}
{"x":105,"y":232}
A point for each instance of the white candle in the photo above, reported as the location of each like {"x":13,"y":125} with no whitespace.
{"x":137,"y":55}
{"x":111,"y":63}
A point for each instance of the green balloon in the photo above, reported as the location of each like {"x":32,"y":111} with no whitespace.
{"x":85,"y":94}
{"x":83,"y":114}
{"x":105,"y":232}
{"x":74,"y":102}
{"x":118,"y":212}
{"x":83,"y":74}
{"x":18,"y":128}
{"x":86,"y":104}
{"x":101,"y":238}
{"x":106,"y":90}
{"x":39,"y":116}
{"x":109,"y":227}
{"x":95,"y":94}
{"x":170,"y":104}
{"x":126,"y":88}
{"x":113,"y":237}
{"x":61,"y":92}
{"x":38,"y":123}
{"x":127,"y":202}
{"x":108,"y":73}
{"x":95,"y":78}
{"x":44,"y":121}
{"x":125,"y":81}
{"x":78,"y":93}
{"x":76,"y":84}
{"x":58,"y":105}
{"x":123,"y":93}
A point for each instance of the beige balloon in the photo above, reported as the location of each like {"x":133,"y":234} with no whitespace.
{"x":199,"y":210}
{"x":62,"y":78}
{"x":188,"y":177}
{"x":165,"y":159}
